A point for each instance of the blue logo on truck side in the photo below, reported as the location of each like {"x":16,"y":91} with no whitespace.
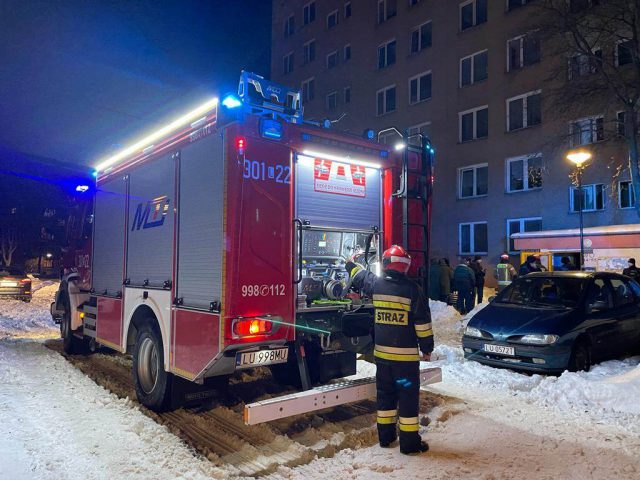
{"x":157,"y":209}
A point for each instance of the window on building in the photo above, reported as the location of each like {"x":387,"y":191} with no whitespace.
{"x":626,"y":196}
{"x":421,"y":37}
{"x":513,"y":4}
{"x":474,"y":123}
{"x":593,"y":198}
{"x":586,"y":131}
{"x":387,"y":9}
{"x":474,"y":68}
{"x":332,"y":19}
{"x":621,"y":122}
{"x":577,"y":6}
{"x":414,"y":130}
{"x":309,"y":13}
{"x":473,"y":181}
{"x":420,"y":88}
{"x":624,"y":52}
{"x":521,"y":225}
{"x":523,"y":51}
{"x":389,"y":138}
{"x":473,"y":238}
{"x":332,"y":59}
{"x":347,"y":10}
{"x":347,"y":94}
{"x":524,"y":173}
{"x":347,"y":52}
{"x":308,"y":89}
{"x":289,"y":26}
{"x":472,"y":13}
{"x":287,"y":63}
{"x":332,"y":101}
{"x":309,"y":51}
{"x":581,"y":65}
{"x":387,"y":54}
{"x":524,"y":111}
{"x":386,"y":100}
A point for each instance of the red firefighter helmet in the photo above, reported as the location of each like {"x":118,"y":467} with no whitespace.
{"x":396,"y":259}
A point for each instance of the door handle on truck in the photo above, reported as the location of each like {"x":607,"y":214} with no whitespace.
{"x":297,"y":249}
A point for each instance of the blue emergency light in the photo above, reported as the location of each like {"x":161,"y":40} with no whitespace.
{"x":231,"y":101}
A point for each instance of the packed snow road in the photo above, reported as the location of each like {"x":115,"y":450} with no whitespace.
{"x":56,"y":422}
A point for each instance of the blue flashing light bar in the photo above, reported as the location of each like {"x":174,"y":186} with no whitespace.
{"x":82,"y":188}
{"x":231,"y":101}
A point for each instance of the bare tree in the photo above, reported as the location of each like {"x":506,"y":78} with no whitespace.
{"x":598,"y":44}
{"x":8,"y":244}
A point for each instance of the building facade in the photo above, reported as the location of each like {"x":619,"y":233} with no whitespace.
{"x":478,"y":79}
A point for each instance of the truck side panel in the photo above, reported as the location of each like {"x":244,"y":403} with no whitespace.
{"x":109,"y":237}
{"x":151,"y":222}
{"x":196,"y":341}
{"x":200,"y":209}
{"x":109,"y":322}
{"x":259,"y":264}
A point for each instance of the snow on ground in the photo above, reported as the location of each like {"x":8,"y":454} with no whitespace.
{"x":33,"y":320}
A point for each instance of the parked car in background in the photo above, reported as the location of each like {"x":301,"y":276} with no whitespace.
{"x":15,"y":283}
{"x":549,"y":322}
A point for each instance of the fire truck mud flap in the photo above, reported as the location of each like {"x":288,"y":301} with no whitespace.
{"x":319,"y":398}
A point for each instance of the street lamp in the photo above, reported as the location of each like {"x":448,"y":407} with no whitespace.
{"x":579,"y":158}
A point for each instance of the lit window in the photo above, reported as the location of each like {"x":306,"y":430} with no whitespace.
{"x":420,"y":88}
{"x":474,"y":68}
{"x":524,"y":111}
{"x":586,"y":130}
{"x":473,"y":181}
{"x":421,"y":37}
{"x":386,"y":100}
{"x":593,"y":198}
{"x":522,"y":51}
{"x":473,"y":238}
{"x":524,"y":173}
{"x":473,"y":124}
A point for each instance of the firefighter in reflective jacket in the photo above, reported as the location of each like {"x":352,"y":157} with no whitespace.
{"x":402,"y":331}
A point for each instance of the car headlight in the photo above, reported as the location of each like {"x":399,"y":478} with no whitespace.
{"x":539,"y":339}
{"x":473,"y":332}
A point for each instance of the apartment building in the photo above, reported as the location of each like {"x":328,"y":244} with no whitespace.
{"x":475,"y":76}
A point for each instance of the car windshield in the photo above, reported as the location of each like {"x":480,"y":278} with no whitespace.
{"x":10,"y":272}
{"x":552,"y":292}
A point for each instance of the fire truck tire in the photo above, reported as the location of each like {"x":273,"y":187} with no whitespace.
{"x":70,"y":343}
{"x":152,"y":382}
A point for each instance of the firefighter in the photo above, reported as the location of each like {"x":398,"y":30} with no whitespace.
{"x":402,"y":330}
{"x":504,"y":272}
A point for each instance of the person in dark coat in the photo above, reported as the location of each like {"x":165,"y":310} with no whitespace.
{"x":479,"y":271}
{"x":529,"y":266}
{"x":446,"y":280}
{"x":434,"y":279}
{"x":464,"y":281}
{"x":632,"y":271}
{"x":566,"y":265}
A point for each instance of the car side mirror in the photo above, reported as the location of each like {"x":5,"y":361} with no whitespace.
{"x":597,"y":306}
{"x":492,"y":298}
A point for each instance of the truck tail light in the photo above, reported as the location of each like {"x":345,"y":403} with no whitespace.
{"x":246,"y":327}
{"x":241,"y":143}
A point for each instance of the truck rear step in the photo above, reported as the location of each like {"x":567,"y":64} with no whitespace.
{"x":319,"y":398}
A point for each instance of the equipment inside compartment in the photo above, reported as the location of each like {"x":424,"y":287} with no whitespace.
{"x":324,"y":254}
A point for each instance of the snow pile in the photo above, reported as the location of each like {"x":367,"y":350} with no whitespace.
{"x":446,"y":323}
{"x":20,"y":319}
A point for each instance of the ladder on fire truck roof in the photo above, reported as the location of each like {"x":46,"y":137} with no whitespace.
{"x":416,"y":189}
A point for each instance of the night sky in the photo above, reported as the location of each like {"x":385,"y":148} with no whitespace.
{"x":81,"y":78}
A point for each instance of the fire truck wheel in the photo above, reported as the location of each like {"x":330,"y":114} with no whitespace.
{"x":153,"y":383}
{"x":70,"y":343}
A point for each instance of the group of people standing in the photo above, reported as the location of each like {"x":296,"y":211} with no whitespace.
{"x":467,"y":279}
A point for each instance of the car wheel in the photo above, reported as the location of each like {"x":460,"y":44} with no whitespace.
{"x":70,"y":343}
{"x":580,"y":360}
{"x":152,"y":382}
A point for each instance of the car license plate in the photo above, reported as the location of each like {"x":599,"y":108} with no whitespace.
{"x":262,"y":357}
{"x":8,"y":284}
{"x":500,"y":350}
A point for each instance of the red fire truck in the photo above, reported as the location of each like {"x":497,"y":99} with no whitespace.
{"x":219,"y":243}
